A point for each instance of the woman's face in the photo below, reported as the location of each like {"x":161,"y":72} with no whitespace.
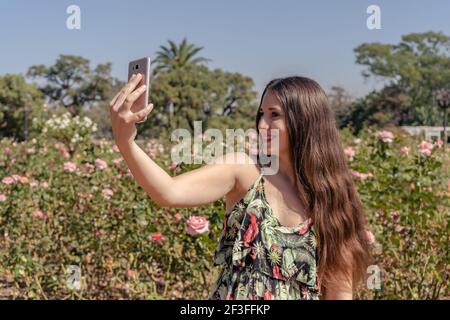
{"x":271,"y":124}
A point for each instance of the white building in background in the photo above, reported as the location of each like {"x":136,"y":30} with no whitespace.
{"x":430,"y":133}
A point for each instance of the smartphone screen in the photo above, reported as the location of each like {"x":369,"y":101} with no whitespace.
{"x":140,"y":66}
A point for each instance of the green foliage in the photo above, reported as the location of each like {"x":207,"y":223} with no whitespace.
{"x":197,"y":93}
{"x":71,"y":83}
{"x":416,"y":67}
{"x":389,"y":106}
{"x":109,"y":235}
{"x":407,"y":204}
{"x":110,"y":239}
{"x":18,"y":100}
{"x":176,"y":57}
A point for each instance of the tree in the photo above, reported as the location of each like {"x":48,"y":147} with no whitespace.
{"x":197,"y":93}
{"x":176,"y":57}
{"x":71,"y":83}
{"x":388,"y":106}
{"x":417,"y":66}
{"x":19,"y":104}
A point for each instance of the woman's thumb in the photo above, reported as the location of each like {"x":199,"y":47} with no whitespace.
{"x":144,"y":113}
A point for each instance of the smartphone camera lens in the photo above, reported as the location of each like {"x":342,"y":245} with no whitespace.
{"x":136,"y":67}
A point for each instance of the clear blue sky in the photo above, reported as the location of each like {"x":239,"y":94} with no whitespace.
{"x":261,"y":39}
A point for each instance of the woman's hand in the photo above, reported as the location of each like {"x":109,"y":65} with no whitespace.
{"x":123,"y":120}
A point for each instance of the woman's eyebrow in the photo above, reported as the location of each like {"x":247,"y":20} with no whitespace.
{"x":272,"y":108}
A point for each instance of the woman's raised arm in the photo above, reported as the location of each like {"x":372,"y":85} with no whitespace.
{"x":197,"y":187}
{"x":194,"y":188}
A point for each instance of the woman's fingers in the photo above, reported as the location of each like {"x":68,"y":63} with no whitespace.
{"x":143,"y":120}
{"x":140,"y":115}
{"x":134,"y":96}
{"x":113,"y":100}
{"x":126,"y":90}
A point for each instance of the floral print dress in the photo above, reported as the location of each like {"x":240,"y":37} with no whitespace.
{"x":262,"y":259}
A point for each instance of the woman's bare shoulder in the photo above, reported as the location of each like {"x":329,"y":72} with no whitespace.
{"x":246,"y":170}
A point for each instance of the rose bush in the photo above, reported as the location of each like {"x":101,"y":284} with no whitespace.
{"x":65,"y":203}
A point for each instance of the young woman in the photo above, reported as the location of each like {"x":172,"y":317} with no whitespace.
{"x":296,"y":234}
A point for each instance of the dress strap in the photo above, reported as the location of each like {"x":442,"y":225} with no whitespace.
{"x":255,"y":185}
{"x":257,"y":181}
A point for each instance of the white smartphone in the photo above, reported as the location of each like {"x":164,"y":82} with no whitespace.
{"x":140,"y":66}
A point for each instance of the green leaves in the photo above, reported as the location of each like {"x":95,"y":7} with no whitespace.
{"x":71,"y":83}
{"x":105,"y":238}
{"x":415,"y":68}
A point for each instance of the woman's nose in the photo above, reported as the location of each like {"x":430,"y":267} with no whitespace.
{"x":263,"y":124}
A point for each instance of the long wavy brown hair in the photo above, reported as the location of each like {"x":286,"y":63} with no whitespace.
{"x":323,"y":176}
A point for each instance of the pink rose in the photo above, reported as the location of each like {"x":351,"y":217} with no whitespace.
{"x":360,"y":175}
{"x":39,"y":214}
{"x":197,"y":225}
{"x":107,"y":193}
{"x":69,"y":166}
{"x":157,"y":238}
{"x":425,"y":152}
{"x":425,"y":145}
{"x":2,"y":197}
{"x":101,"y":164}
{"x":404,"y":150}
{"x":178,"y":216}
{"x":370,"y":237}
{"x":349,"y":152}
{"x":425,"y":148}
{"x":386,"y":136}
{"x":8,"y":180}
{"x":117,"y":161}
{"x":115,"y":148}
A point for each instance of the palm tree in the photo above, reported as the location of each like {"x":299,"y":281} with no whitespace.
{"x":176,"y":56}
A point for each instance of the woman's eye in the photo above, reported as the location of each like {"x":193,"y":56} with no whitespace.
{"x":274,"y":114}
